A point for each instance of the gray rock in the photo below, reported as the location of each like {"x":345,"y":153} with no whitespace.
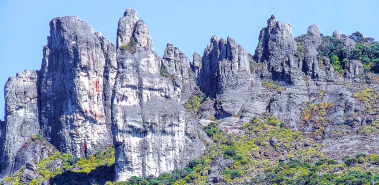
{"x":110,"y":72}
{"x":337,"y":34}
{"x":27,"y":176}
{"x":276,"y":49}
{"x":311,"y":41}
{"x":56,"y":164}
{"x":273,"y":141}
{"x":126,"y":26}
{"x":32,"y":152}
{"x":152,"y":131}
{"x":73,"y":111}
{"x":22,"y":117}
{"x":30,"y":166}
{"x":196,"y":65}
{"x":178,"y":67}
{"x":348,"y":42}
{"x":217,"y":165}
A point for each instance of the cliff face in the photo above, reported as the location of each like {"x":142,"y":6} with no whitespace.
{"x":90,"y":95}
{"x":152,"y":131}
{"x":22,"y":117}
{"x":73,"y":101}
{"x":292,"y":79}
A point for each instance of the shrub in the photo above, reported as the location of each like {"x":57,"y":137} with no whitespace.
{"x":237,"y":158}
{"x":270,"y":85}
{"x":230,"y":152}
{"x":194,"y":101}
{"x":129,"y":46}
{"x":211,"y":130}
{"x":350,"y":162}
{"x":164,"y":71}
{"x":235,"y":174}
{"x":193,"y":163}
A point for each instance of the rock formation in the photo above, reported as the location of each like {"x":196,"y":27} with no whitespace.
{"x":73,"y":102}
{"x":89,"y":95}
{"x":178,"y":67}
{"x":22,"y":117}
{"x":152,"y":132}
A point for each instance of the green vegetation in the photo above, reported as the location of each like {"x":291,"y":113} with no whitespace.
{"x":333,"y":48}
{"x":69,"y":163}
{"x":365,"y":51}
{"x":271,"y":86}
{"x":337,"y":65}
{"x":254,"y":66}
{"x":316,"y":114}
{"x":369,"y":55}
{"x":353,"y":170}
{"x":130,"y":46}
{"x":211,"y":130}
{"x":300,"y":47}
{"x":368,"y":98}
{"x":252,"y":155}
{"x":194,"y":101}
{"x":164,"y":72}
{"x":367,"y":95}
{"x":255,"y":158}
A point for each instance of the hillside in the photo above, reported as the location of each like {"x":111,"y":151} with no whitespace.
{"x":300,"y":110}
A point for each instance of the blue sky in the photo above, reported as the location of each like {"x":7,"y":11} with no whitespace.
{"x":189,"y":25}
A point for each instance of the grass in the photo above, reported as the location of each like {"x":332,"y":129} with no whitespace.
{"x":271,"y":86}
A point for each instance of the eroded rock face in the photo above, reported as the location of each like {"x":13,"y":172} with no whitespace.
{"x":276,"y":51}
{"x":77,"y":65}
{"x":32,"y":152}
{"x":152,"y":132}
{"x":110,"y":72}
{"x":178,"y":67}
{"x":22,"y":117}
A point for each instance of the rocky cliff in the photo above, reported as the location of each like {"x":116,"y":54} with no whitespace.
{"x":311,"y":97}
{"x":153,"y":133}
{"x":22,"y":117}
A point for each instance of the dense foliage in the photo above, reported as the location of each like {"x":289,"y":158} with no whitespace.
{"x":194,"y":101}
{"x":365,"y":50}
{"x":45,"y":171}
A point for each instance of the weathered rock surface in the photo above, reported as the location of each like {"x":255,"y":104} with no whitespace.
{"x":153,"y":133}
{"x":276,"y":49}
{"x":22,"y":117}
{"x":73,"y":109}
{"x":90,"y":94}
{"x":177,"y":66}
{"x":32,"y":152}
{"x":285,"y":78}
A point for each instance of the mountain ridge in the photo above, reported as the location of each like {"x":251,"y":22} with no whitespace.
{"x":90,"y":94}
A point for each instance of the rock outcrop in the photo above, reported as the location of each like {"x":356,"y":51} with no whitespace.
{"x":22,"y":117}
{"x":177,"y":66}
{"x":73,"y":110}
{"x":152,"y":131}
{"x":276,"y":51}
{"x":90,"y":94}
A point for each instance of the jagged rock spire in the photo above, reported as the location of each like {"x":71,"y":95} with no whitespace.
{"x":125,"y":28}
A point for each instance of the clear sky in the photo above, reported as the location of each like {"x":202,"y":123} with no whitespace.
{"x":187,"y":24}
